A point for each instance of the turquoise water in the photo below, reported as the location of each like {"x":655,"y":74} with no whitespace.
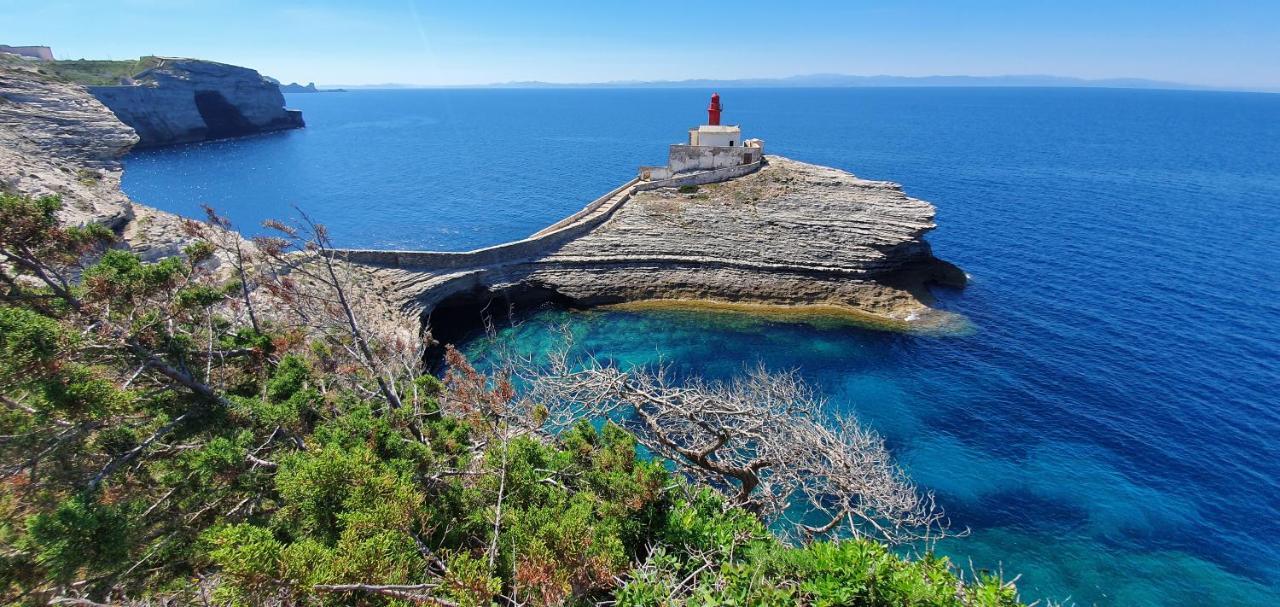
{"x":1107,"y":430}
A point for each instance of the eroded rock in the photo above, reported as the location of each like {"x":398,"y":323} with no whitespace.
{"x":188,"y":100}
{"x":790,"y":234}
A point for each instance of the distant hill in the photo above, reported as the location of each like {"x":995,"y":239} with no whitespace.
{"x":838,"y":81}
{"x":294,"y":87}
{"x":844,"y":80}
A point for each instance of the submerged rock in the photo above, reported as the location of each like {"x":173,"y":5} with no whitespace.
{"x":188,"y":100}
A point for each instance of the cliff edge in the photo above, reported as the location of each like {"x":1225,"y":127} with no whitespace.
{"x":188,"y":100}
{"x":57,"y":139}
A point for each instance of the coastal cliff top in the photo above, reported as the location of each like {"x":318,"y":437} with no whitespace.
{"x":55,"y":138}
{"x":788,"y":213}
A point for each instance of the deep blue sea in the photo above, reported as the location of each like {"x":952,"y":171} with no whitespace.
{"x":1110,"y":428}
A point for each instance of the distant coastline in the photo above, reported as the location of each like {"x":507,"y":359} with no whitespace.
{"x":310,"y":87}
{"x":843,"y":81}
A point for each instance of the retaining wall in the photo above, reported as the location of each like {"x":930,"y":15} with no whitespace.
{"x":537,"y":245}
{"x":683,"y":158}
{"x":701,"y":178}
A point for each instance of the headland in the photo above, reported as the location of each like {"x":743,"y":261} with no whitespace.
{"x":721,"y":224}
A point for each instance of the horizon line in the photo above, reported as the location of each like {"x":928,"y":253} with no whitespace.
{"x":837,"y":80}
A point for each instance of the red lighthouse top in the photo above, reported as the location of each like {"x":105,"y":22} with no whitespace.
{"x":713,"y":111}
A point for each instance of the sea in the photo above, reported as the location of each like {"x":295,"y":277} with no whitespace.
{"x":1108,"y":431}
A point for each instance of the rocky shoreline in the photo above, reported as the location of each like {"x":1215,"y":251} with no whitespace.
{"x":789,"y":235}
{"x":57,"y":139}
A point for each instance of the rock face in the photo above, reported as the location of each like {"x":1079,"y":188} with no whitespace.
{"x":56,"y":138}
{"x":187,"y":100}
{"x":790,"y":234}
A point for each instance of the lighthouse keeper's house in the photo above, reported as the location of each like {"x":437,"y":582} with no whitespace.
{"x":714,"y":152}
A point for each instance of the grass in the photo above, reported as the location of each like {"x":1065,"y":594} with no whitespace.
{"x":95,"y":72}
{"x":88,"y":176}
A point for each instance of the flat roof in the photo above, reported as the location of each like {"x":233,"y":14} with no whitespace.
{"x":719,"y":128}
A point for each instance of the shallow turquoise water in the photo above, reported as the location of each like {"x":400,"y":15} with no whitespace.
{"x":1107,"y":430}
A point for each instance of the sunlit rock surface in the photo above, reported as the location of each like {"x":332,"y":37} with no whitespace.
{"x":187,"y":100}
{"x":790,"y":234}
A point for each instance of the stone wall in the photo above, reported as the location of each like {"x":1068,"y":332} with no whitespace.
{"x":42,"y":53}
{"x":651,"y":173}
{"x":541,"y":243}
{"x":684,"y":158}
{"x":701,"y":177}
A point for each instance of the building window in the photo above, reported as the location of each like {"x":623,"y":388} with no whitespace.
{"x":730,"y":143}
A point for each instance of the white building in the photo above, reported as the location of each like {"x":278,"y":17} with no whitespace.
{"x":715,"y":135}
{"x":39,"y":53}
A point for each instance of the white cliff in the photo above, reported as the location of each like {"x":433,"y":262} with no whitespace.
{"x":188,"y":100}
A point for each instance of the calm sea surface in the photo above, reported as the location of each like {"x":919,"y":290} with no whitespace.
{"x":1110,"y":429}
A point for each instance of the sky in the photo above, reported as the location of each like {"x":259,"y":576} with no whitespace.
{"x":1226,"y":43}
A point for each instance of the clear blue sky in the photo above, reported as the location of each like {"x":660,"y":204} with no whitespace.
{"x":1224,"y":42}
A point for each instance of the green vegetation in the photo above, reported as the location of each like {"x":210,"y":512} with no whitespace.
{"x":240,"y":436}
{"x":687,"y":189}
{"x":95,"y":72}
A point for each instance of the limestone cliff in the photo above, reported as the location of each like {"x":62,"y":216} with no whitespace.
{"x":55,"y":138}
{"x":187,"y":100}
{"x":790,"y":234}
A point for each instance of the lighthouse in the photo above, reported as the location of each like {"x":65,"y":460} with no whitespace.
{"x":714,"y":152}
{"x":714,"y":134}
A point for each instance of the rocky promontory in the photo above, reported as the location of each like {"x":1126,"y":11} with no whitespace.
{"x":55,"y":138}
{"x":791,"y":235}
{"x":187,"y":100}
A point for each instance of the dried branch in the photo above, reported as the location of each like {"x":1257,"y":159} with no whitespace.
{"x":764,"y":440}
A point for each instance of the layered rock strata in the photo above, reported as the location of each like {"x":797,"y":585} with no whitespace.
{"x":188,"y":100}
{"x":57,"y":139}
{"x":790,"y":234}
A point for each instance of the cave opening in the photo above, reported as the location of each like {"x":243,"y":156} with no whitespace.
{"x":464,"y":316}
{"x":221,"y":118}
